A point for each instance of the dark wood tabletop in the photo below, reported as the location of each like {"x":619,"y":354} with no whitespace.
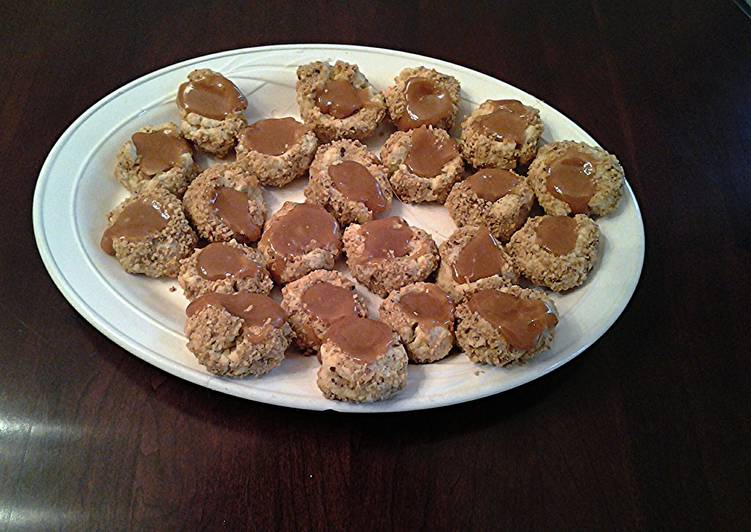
{"x":649,"y":428}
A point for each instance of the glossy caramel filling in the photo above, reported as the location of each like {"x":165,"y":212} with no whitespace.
{"x":253,"y":309}
{"x":302,"y":229}
{"x":507,"y":121}
{"x":219,"y":261}
{"x":482,"y":257}
{"x":232,"y":207}
{"x":361,"y":338}
{"x":340,"y":99}
{"x":427,"y":104}
{"x":213,"y":96}
{"x":329,"y":302}
{"x":570,"y":180}
{"x":159,"y":150}
{"x":429,"y":306}
{"x":138,"y":220}
{"x":428,"y":153}
{"x":356,"y":183}
{"x":491,"y":184}
{"x":557,"y":234}
{"x":386,"y":238}
{"x":273,"y":136}
{"x":520,"y":321}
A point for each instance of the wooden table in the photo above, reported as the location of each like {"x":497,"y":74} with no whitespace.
{"x":649,"y":428}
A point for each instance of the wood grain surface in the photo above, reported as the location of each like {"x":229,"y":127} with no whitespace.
{"x":648,"y":429}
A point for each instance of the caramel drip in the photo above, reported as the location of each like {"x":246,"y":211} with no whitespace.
{"x":520,"y":321}
{"x":361,"y":338}
{"x":482,"y":257}
{"x":427,"y":104}
{"x":387,"y":238}
{"x":340,"y":99}
{"x":491,"y":184}
{"x":428,"y":153}
{"x":138,"y":220}
{"x":219,"y":261}
{"x":429,"y":306}
{"x":570,"y":180}
{"x":273,"y":136}
{"x":253,"y":309}
{"x":159,"y":150}
{"x":507,"y":121}
{"x":232,"y":207}
{"x":557,"y":234}
{"x":356,"y":183}
{"x":212,"y":96}
{"x":329,"y":302}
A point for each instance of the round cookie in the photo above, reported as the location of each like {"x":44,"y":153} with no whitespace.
{"x":362,"y":361}
{"x":422,"y":97}
{"x":493,"y":197}
{"x":317,"y":300}
{"x":349,"y":181}
{"x":469,"y":255}
{"x":574,"y":178}
{"x":149,"y":234}
{"x":423,"y":317}
{"x":424,"y":164}
{"x":499,"y":324}
{"x":276,"y":150}
{"x":159,"y":156}
{"x":212,"y":109}
{"x":298,"y":239}
{"x":338,"y":101}
{"x":236,"y":335}
{"x":224,"y":203}
{"x":557,"y":252}
{"x":224,"y":267}
{"x":388,"y":254}
{"x":501,"y":134}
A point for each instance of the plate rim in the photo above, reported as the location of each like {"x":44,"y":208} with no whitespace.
{"x":215,"y":383}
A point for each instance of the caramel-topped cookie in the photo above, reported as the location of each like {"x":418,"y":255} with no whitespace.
{"x":388,"y":253}
{"x":362,"y":360}
{"x":337,"y":101}
{"x":212,"y":108}
{"x":300,"y":238}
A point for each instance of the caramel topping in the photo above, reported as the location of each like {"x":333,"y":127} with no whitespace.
{"x":232,"y":207}
{"x":360,"y":338}
{"x":213,"y":96}
{"x":570,"y":180}
{"x":491,"y":184}
{"x":427,"y":104}
{"x":508,"y":120}
{"x":356,"y":183}
{"x":138,"y":220}
{"x":557,"y":234}
{"x":430,"y":306}
{"x":273,"y":136}
{"x":253,"y":309}
{"x":301,"y":230}
{"x":428,"y":153}
{"x":521,"y":321}
{"x":340,"y":99}
{"x":482,"y":257}
{"x":329,"y":302}
{"x":159,"y":150}
{"x":386,"y":238}
{"x":219,"y":261}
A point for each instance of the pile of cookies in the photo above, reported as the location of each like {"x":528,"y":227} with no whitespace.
{"x":210,"y":227}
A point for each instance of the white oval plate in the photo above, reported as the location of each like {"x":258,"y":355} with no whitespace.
{"x":76,"y":190}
